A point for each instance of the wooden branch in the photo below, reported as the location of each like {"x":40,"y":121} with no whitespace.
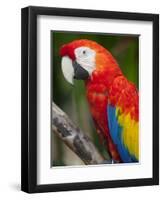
{"x":74,"y":138}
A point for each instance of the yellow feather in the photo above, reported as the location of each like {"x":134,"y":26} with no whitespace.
{"x":130,"y":132}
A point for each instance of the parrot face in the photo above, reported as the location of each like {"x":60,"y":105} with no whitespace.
{"x":79,"y":65}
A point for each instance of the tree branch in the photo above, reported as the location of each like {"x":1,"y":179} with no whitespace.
{"x":74,"y":138}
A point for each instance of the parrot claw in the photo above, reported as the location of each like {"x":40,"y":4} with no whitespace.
{"x":107,"y":162}
{"x":111,"y":161}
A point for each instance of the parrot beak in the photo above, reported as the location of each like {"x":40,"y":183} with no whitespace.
{"x":67,"y":69}
{"x":72,"y":70}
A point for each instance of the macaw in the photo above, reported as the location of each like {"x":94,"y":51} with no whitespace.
{"x":112,"y":98}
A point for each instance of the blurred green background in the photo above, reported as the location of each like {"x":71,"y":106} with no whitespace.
{"x":71,"y":99}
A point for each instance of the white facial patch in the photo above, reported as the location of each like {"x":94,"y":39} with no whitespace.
{"x":86,"y":58}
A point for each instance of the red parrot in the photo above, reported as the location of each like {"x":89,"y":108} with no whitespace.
{"x":113,"y":100}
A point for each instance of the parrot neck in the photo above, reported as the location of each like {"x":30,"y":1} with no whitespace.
{"x":104,"y":76}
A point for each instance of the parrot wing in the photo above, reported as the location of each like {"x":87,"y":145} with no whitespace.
{"x":123,"y":126}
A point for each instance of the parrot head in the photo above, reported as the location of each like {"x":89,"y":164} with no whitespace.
{"x":81,"y":58}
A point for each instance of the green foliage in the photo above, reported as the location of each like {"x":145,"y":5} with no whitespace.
{"x":72,"y":98}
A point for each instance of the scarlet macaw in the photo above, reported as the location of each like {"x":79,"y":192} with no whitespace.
{"x":113,"y":100}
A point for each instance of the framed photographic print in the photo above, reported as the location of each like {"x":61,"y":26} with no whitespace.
{"x":90,"y":99}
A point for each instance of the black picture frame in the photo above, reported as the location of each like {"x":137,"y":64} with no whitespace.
{"x":29,"y":98}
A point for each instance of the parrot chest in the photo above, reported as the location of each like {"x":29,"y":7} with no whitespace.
{"x":97,"y":96}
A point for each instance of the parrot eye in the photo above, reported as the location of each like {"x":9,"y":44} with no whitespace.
{"x":84,"y":52}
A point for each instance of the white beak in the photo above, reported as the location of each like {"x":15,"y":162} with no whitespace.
{"x":67,"y":69}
